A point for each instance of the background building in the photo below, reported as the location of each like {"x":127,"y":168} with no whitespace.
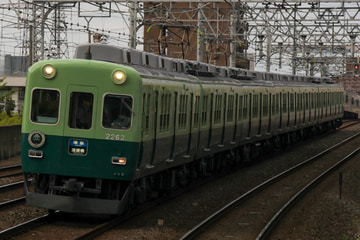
{"x":15,"y":70}
{"x":211,"y":33}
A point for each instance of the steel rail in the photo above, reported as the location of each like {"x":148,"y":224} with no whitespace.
{"x":10,"y":168}
{"x":9,"y":203}
{"x":11,"y":185}
{"x":270,"y":226}
{"x":18,"y":229}
{"x":191,"y":234}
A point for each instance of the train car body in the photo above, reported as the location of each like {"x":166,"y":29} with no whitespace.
{"x":103,"y":131}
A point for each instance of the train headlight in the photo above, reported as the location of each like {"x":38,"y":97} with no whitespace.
{"x":36,"y":139}
{"x":48,"y":71}
{"x":119,"y":77}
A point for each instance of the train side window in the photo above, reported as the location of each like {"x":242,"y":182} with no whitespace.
{"x":277,"y":104}
{"x":218,"y":109}
{"x":284,"y":103}
{"x":146,"y":113}
{"x":196,"y":112}
{"x":273,"y":105}
{"x":298,"y":102}
{"x":45,"y":106}
{"x":81,"y":110}
{"x":292,"y":103}
{"x":230,"y":110}
{"x":240,"y":108}
{"x":183,"y":108}
{"x":255,"y":106}
{"x":117,"y":111}
{"x":204,"y":110}
{"x":165,"y":112}
{"x":245,"y":107}
{"x":265,"y":105}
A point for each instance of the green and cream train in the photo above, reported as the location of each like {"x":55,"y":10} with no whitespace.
{"x":108,"y":129}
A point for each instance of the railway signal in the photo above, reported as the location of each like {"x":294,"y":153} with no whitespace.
{"x":356,"y":68}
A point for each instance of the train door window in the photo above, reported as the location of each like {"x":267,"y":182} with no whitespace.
{"x":45,"y":106}
{"x":196,"y":112}
{"x":165,"y":112}
{"x":245,"y":107}
{"x":307,"y":101}
{"x":255,"y":109}
{"x":265,"y":105}
{"x":299,"y":102}
{"x":240,"y":107}
{"x":117,"y":111}
{"x":277,"y":104}
{"x":292,"y":103}
{"x":204,"y":110}
{"x":273,"y":105}
{"x":218,"y":108}
{"x":81,"y":110}
{"x":284,"y":103}
{"x":146,"y":113}
{"x":230,"y":108}
{"x":312,"y":100}
{"x":183,"y":111}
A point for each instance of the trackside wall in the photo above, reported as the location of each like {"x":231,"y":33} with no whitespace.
{"x":10,"y":141}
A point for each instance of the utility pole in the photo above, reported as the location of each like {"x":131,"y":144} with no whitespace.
{"x":200,"y":34}
{"x":268,"y":48}
{"x":232,"y":40}
{"x":132,"y":24}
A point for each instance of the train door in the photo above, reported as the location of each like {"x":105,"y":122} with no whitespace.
{"x":237,"y":116}
{"x":292,"y":116}
{"x":224,"y":108}
{"x":250,"y":114}
{"x":280,"y":113}
{"x":173,"y":132}
{"x":260,"y":112}
{"x":147,"y":128}
{"x":210,"y":119}
{"x":80,"y":120}
{"x":155,"y":117}
{"x":271,"y":112}
{"x":190,"y":125}
{"x":80,"y":126}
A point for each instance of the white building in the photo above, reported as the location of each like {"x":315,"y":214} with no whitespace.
{"x":17,"y":83}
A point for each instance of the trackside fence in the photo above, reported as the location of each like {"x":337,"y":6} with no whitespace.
{"x":10,"y":141}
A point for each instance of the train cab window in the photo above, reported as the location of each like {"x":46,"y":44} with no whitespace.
{"x":117,"y":111}
{"x":81,"y":110}
{"x":45,"y":106}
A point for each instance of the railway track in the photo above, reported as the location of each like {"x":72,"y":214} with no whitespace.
{"x":54,"y":220}
{"x":10,"y":171}
{"x":317,"y":168}
{"x":16,"y":197}
{"x":91,"y":232}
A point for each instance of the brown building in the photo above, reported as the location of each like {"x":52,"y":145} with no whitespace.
{"x":171,"y":29}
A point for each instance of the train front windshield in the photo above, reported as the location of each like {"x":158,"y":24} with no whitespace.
{"x":45,"y":106}
{"x":117,"y":111}
{"x":81,"y":110}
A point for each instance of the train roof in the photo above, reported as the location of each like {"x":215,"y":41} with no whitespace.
{"x":161,"y":66}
